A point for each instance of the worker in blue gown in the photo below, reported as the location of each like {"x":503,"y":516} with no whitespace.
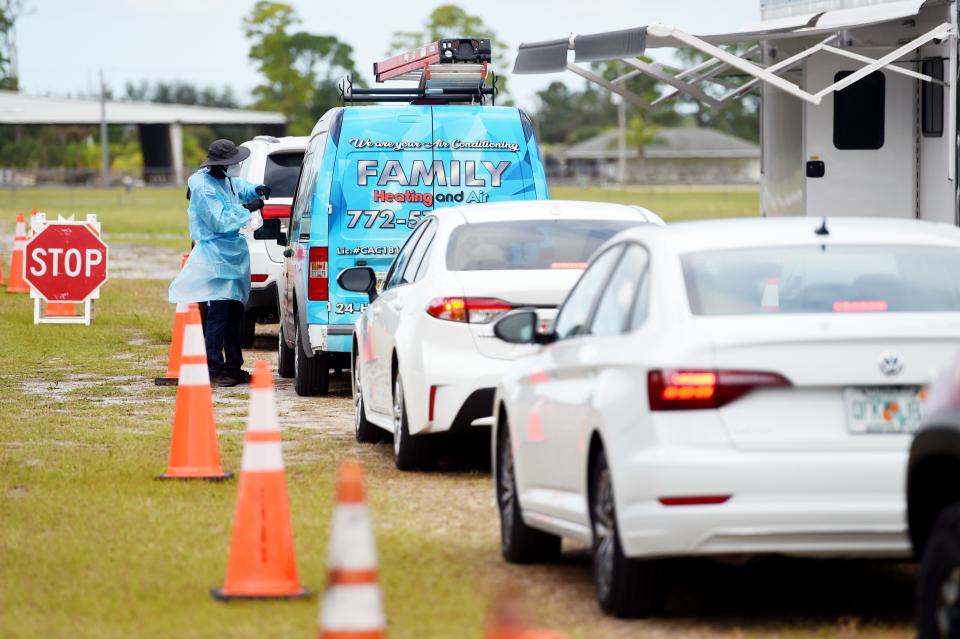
{"x":218,"y":270}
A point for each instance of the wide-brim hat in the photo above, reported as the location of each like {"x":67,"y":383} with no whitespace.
{"x":225,"y":153}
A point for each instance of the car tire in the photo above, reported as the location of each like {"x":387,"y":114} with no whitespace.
{"x":625,"y":587}
{"x":285,"y":357}
{"x":311,"y":375}
{"x":519,"y":543}
{"x":409,"y":452}
{"x":364,"y":431}
{"x":248,"y":330}
{"x":938,"y":591}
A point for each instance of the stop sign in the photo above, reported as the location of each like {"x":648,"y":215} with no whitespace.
{"x":65,"y":262}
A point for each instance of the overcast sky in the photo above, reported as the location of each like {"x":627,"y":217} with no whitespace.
{"x":63,"y":43}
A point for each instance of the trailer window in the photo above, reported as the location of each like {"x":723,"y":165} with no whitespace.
{"x":858,"y":112}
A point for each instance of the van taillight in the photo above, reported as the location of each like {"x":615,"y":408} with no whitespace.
{"x":318,"y":287}
{"x":699,"y":389}
{"x":475,"y":310}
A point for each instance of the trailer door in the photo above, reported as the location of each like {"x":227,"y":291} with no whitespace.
{"x":859,"y":142}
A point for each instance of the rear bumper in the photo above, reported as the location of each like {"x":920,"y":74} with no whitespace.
{"x":264,"y":298}
{"x":807,"y":504}
{"x":464,"y":392}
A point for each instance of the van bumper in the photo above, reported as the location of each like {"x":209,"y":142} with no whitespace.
{"x":330,"y":337}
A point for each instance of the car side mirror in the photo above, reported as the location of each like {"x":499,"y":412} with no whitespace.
{"x":520,"y":327}
{"x":271,"y":231}
{"x":359,"y":279}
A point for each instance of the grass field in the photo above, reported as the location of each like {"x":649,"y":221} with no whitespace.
{"x":91,"y":545}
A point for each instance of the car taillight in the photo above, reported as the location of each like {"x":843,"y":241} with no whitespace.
{"x":258,"y":278}
{"x":475,"y":310}
{"x":271,"y":211}
{"x":318,"y":286}
{"x":699,"y":389}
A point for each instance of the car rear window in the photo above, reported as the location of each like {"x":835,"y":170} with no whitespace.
{"x":282,"y":172}
{"x":529,"y":244}
{"x":823,"y":279}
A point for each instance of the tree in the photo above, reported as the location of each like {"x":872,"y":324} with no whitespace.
{"x":300,"y":69}
{"x":738,"y":116}
{"x":450,"y":21}
{"x":10,"y":10}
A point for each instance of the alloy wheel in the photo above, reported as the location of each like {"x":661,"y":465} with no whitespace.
{"x":948,"y":608}
{"x":397,"y":415}
{"x":506,"y":487}
{"x":604,"y":533}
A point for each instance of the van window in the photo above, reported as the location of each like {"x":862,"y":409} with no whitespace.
{"x":308,"y":180}
{"x":281,"y":172}
{"x":858,"y":112}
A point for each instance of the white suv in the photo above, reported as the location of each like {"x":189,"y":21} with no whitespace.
{"x":276,"y":163}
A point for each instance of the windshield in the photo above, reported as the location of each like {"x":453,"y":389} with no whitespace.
{"x":529,"y":244}
{"x":823,"y":279}
{"x":281,"y":173}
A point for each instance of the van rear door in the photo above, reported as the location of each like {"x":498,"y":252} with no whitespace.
{"x":378,"y":194}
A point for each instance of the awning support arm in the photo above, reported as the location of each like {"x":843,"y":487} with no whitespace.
{"x":626,"y":94}
{"x":777,"y":67}
{"x":937,"y":33}
{"x":891,"y":67}
{"x":656,"y":72}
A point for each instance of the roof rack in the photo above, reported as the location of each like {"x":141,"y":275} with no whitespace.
{"x":445,"y":71}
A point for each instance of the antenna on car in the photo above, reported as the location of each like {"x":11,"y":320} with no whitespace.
{"x":445,"y":71}
{"x":823,"y":230}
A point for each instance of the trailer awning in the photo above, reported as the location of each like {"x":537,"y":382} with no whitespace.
{"x":626,"y":45}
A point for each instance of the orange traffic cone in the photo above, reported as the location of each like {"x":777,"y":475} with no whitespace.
{"x":176,"y":344}
{"x":17,"y":283}
{"x":508,"y":621}
{"x":194,"y":452}
{"x":61,"y":309}
{"x":353,"y":604}
{"x":262,"y":562}
{"x":176,"y":347}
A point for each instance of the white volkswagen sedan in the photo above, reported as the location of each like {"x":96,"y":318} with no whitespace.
{"x":725,"y":388}
{"x":425,"y":360}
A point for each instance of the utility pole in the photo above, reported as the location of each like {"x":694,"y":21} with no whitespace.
{"x":622,"y":141}
{"x":104,"y":150}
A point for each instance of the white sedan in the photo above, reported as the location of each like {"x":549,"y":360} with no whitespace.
{"x":425,"y":360}
{"x":725,"y":388}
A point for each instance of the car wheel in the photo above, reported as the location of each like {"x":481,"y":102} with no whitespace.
{"x":248,"y":330}
{"x":285,"y":357}
{"x":519,"y":543}
{"x":409,"y":452}
{"x":362,"y":429}
{"x":311,"y":375}
{"x":938,"y":594}
{"x":625,"y":587}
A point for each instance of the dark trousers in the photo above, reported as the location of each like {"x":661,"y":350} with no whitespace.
{"x":222,"y":334}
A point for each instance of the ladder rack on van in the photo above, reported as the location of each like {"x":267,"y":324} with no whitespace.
{"x":449,"y":70}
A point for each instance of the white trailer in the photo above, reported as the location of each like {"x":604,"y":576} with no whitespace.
{"x":859,"y":98}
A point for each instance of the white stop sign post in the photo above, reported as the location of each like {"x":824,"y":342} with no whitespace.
{"x":62,"y":262}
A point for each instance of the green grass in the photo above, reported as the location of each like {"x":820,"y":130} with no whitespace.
{"x":673,"y":204}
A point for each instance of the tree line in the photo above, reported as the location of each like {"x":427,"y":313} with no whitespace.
{"x":299,"y":74}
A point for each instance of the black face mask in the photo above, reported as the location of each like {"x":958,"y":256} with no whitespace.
{"x":218,"y":171}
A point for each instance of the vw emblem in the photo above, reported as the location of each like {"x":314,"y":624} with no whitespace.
{"x":891,"y":363}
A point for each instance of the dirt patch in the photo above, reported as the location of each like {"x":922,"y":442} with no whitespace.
{"x":144,"y":262}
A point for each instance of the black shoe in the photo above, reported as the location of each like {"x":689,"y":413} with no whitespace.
{"x":240,"y":375}
{"x":222,"y":380}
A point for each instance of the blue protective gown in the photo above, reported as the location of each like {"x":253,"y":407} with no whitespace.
{"x":219,"y":264}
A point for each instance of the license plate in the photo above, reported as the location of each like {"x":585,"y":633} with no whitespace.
{"x":884,"y":409}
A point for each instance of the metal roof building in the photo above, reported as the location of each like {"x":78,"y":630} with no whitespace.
{"x":160,"y":125}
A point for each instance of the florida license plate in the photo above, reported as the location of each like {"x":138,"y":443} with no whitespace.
{"x":884,"y":409}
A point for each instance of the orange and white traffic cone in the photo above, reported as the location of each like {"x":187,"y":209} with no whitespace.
{"x":176,"y":347}
{"x":176,"y":343}
{"x":194,"y":451}
{"x":17,"y":283}
{"x":262,"y":563}
{"x":352,"y":606}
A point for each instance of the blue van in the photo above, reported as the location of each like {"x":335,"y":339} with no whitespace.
{"x":368,"y":176}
